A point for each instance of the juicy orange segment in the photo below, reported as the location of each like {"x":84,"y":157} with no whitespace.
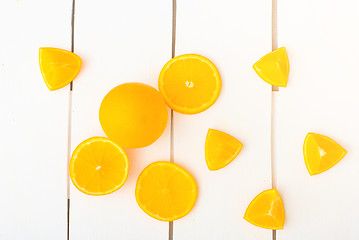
{"x":190,"y":83}
{"x":274,"y":67}
{"x":220,"y":149}
{"x":165,"y":191}
{"x":266,"y":210}
{"x":321,"y":153}
{"x":98,"y":166}
{"x":58,"y":67}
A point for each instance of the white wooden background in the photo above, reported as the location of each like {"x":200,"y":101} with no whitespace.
{"x":127,"y":41}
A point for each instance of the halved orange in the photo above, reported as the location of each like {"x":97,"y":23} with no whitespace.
{"x":189,"y":83}
{"x":58,"y":67}
{"x":220,"y":149}
{"x":98,"y":166}
{"x":166,"y":191}
{"x":321,"y":153}
{"x":266,"y":210}
{"x":274,"y":67}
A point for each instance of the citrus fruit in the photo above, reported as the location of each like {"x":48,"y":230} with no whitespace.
{"x":98,"y":166}
{"x":274,"y":67}
{"x":165,"y":191}
{"x":220,"y":149}
{"x":190,"y":83}
{"x":133,"y":115}
{"x":321,"y":153}
{"x":266,"y":210}
{"x":58,"y":67}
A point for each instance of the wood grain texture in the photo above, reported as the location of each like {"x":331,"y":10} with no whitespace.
{"x":33,"y":123}
{"x":233,"y":35}
{"x":119,"y":42}
{"x":321,"y":38}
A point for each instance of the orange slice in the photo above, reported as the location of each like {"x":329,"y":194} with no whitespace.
{"x":321,"y":153}
{"x":165,"y":191}
{"x":220,"y":149}
{"x":98,"y":166}
{"x":190,"y":83}
{"x":274,"y":67}
{"x":266,"y":210}
{"x":58,"y":67}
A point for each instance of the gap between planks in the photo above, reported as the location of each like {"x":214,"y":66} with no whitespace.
{"x":275,"y":90}
{"x":69,"y":132}
{"x":173,"y":54}
{"x":274,"y":32}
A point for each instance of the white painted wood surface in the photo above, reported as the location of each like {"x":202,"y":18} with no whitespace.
{"x":321,"y":38}
{"x":33,"y":123}
{"x":234,"y":35}
{"x":130,"y":41}
{"x":119,"y":42}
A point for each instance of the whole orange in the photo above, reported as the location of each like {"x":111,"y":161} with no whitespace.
{"x":133,"y":115}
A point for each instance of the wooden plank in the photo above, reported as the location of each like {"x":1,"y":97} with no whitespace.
{"x":322,"y":42}
{"x":118,"y":43}
{"x":233,"y":34}
{"x":33,"y":123}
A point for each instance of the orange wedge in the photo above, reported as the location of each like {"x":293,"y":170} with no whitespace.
{"x":266,"y":210}
{"x":165,"y":191}
{"x":274,"y":67}
{"x":98,"y":166}
{"x":189,"y":83}
{"x":58,"y":67}
{"x":220,"y":149}
{"x":321,"y":153}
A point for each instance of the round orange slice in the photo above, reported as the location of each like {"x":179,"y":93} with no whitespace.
{"x":98,"y":166}
{"x":58,"y":67}
{"x":189,"y":83}
{"x":266,"y":210}
{"x":166,"y":191}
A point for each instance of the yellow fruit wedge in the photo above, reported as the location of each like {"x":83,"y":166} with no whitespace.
{"x":220,"y":149}
{"x":58,"y":67}
{"x":98,"y":166}
{"x":189,"y":83}
{"x":266,"y":210}
{"x":166,"y":191}
{"x":321,"y":153}
{"x":274,"y":67}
